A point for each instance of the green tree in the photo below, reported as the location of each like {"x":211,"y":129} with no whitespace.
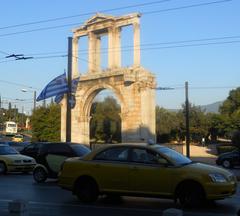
{"x":167,"y":125}
{"x":198,"y":122}
{"x":45,"y":123}
{"x":232,"y":104}
{"x":105,"y":123}
{"x":230,"y":111}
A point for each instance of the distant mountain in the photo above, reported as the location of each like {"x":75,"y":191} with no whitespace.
{"x":212,"y":108}
{"x":209,"y":108}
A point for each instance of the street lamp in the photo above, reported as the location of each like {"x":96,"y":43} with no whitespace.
{"x":34,"y":97}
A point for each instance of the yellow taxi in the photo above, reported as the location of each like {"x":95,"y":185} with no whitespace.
{"x":17,"y":138}
{"x":12,"y":161}
{"x":145,"y":170}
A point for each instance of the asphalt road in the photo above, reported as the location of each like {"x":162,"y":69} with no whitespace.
{"x":48,"y":199}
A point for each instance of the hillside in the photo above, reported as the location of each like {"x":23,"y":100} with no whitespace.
{"x":213,"y":108}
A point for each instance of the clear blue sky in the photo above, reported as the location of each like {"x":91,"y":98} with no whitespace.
{"x":202,"y":66}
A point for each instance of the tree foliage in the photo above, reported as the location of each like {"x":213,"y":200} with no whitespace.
{"x":105,"y":125}
{"x":167,"y":125}
{"x":45,"y":123}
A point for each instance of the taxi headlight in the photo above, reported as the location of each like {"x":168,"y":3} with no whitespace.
{"x":217,"y":177}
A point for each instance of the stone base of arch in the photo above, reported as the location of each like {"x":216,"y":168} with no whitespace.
{"x":134,"y":87}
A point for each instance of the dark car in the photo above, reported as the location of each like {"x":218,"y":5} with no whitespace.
{"x":229,"y":159}
{"x":18,"y":145}
{"x":50,"y":156}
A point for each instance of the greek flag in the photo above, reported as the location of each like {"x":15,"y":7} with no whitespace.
{"x":59,"y":97}
{"x":57,"y":86}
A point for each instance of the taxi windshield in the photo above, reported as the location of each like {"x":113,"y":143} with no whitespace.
{"x":175,"y":157}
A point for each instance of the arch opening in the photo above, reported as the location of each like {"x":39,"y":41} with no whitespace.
{"x":105,"y":120}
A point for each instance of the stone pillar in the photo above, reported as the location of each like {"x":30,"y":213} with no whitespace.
{"x":114,"y":47}
{"x":110,"y":47}
{"x":136,"y":44}
{"x":75,"y":72}
{"x":80,"y":131}
{"x":63,"y":118}
{"x":98,"y":54}
{"x":91,"y":52}
{"x":118,"y":47}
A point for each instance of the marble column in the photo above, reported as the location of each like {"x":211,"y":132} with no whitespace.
{"x":117,"y":47}
{"x":75,"y":72}
{"x":91,"y":52}
{"x":110,"y":47}
{"x":136,"y":44}
{"x":98,"y":54}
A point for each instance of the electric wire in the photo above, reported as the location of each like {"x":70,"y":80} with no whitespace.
{"x":18,"y":84}
{"x":146,"y":12}
{"x":85,"y":14}
{"x":85,"y":51}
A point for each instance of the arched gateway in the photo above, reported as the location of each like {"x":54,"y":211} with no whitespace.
{"x":133,"y":86}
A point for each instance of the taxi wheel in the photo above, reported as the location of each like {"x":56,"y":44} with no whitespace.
{"x":39,"y":175}
{"x":226,"y":164}
{"x":3,"y":168}
{"x":87,"y":191}
{"x":190,"y":195}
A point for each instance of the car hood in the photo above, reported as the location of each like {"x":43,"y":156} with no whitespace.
{"x":226,"y":154}
{"x":17,"y":157}
{"x":206,"y":169}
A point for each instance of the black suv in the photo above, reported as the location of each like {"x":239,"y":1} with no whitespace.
{"x":50,"y":156}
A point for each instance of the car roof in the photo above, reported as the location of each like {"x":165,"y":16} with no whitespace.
{"x":3,"y":145}
{"x":108,"y":146}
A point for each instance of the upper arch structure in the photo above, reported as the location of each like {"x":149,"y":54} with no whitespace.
{"x":134,"y":86}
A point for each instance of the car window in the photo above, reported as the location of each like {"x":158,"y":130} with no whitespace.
{"x":175,"y":157}
{"x":30,"y":148}
{"x":7,"y":150}
{"x":80,"y":150}
{"x":141,"y":155}
{"x":60,"y":149}
{"x":113,"y":154}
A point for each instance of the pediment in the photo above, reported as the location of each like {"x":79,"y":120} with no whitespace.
{"x":98,"y":18}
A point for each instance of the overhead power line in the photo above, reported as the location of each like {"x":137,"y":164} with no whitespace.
{"x":185,"y":7}
{"x":143,"y":46}
{"x":4,"y":53}
{"x":85,"y":14}
{"x":18,"y":84}
{"x":196,"y":87}
{"x":146,"y":12}
{"x":143,"y":49}
{"x":83,"y":51}
{"x":39,"y":29}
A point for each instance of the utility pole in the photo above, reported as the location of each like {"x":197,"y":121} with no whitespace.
{"x":187,"y":121}
{"x":69,"y":75}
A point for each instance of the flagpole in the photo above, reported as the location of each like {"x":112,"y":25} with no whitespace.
{"x":69,"y":76}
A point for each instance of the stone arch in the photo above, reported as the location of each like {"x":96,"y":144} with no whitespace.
{"x":134,"y":86}
{"x":92,"y":92}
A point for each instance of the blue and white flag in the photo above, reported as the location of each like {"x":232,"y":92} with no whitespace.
{"x":59,"y":97}
{"x":57,"y":86}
